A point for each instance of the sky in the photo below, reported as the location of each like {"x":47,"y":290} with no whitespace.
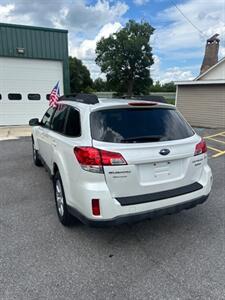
{"x":178,"y":46}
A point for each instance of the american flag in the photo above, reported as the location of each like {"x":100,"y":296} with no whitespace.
{"x":54,"y":96}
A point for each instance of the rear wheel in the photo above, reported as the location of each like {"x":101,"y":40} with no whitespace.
{"x":36,"y":158}
{"x":60,"y":201}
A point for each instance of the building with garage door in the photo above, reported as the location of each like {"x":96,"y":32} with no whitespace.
{"x":202,"y":101}
{"x":32,"y":60}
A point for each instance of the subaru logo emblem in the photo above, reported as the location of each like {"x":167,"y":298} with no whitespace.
{"x":164,"y":151}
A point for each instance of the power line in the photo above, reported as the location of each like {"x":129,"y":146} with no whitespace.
{"x":181,"y":12}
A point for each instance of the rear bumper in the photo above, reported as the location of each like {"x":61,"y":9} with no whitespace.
{"x":131,"y":218}
{"x":184,"y":190}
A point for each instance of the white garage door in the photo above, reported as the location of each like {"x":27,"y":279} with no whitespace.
{"x":21,"y":82}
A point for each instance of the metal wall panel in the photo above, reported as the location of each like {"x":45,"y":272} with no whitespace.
{"x":38,"y":43}
{"x":202,"y":106}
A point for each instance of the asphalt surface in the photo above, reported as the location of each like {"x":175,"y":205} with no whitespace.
{"x":173,"y":257}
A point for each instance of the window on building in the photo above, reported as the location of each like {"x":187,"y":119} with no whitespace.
{"x":15,"y":96}
{"x":34,"y":97}
{"x":46,"y":120}
{"x":48,"y":97}
{"x":0,"y":97}
{"x":58,"y":120}
{"x":73,"y":128}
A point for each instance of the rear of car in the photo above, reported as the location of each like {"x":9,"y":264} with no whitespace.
{"x":143,"y":160}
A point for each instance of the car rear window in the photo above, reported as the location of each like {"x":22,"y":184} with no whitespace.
{"x":138,"y":125}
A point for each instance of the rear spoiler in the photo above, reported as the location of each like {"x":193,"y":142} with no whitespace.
{"x":152,"y":98}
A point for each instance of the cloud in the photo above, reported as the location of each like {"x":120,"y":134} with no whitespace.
{"x":31,"y":12}
{"x":7,"y":15}
{"x":208,"y":16}
{"x":140,"y":2}
{"x":5,"y":10}
{"x":86,"y":49}
{"x":77,"y":16}
{"x":155,"y":68}
{"x":89,"y":17}
{"x":170,"y":74}
{"x":176,"y":74}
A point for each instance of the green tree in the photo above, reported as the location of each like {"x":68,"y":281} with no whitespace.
{"x":169,"y":87}
{"x":100,"y":85}
{"x":126,"y":57}
{"x":156,"y":87}
{"x":80,"y":79}
{"x":166,"y":87}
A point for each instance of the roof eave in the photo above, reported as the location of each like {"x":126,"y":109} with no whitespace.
{"x":210,"y":69}
{"x":194,"y":82}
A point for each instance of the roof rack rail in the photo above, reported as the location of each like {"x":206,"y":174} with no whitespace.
{"x":80,"y":97}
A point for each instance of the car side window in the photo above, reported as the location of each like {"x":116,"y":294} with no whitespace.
{"x":59,"y":118}
{"x":73,"y":128}
{"x":45,"y":122}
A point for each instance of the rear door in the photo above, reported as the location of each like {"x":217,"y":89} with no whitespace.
{"x":43,"y":131}
{"x":157,"y":144}
{"x":57,"y":128}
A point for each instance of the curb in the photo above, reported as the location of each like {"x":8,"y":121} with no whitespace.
{"x":14,"y":131}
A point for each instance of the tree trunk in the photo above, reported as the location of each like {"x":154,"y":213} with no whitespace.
{"x":130,"y":85}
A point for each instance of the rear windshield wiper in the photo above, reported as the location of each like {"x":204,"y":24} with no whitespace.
{"x":139,"y":139}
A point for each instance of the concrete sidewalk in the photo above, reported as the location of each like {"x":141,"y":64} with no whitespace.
{"x":14,"y":132}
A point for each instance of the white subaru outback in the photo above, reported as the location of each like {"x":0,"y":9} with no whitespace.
{"x":115,"y":161}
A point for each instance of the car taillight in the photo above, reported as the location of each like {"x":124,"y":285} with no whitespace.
{"x":111,"y":158}
{"x":95,"y":207}
{"x":201,"y":147}
{"x":92,"y":159}
{"x":150,"y":103}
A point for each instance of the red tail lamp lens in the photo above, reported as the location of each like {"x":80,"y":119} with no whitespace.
{"x":112,"y":158}
{"x":90,"y":156}
{"x":150,"y":103}
{"x":201,"y":147}
{"x":96,"y":207}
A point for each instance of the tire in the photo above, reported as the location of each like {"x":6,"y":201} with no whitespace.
{"x":36,"y":158}
{"x":60,"y":201}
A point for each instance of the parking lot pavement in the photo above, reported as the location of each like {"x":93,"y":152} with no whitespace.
{"x":173,"y":257}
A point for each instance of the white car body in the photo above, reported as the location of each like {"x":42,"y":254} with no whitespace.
{"x":125,"y":192}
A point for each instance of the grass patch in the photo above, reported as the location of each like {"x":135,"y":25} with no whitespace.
{"x":170,"y":101}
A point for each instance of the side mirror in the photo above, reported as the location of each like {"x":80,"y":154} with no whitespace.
{"x":34,"y":122}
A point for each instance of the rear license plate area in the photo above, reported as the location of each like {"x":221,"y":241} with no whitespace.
{"x":159,"y":171}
